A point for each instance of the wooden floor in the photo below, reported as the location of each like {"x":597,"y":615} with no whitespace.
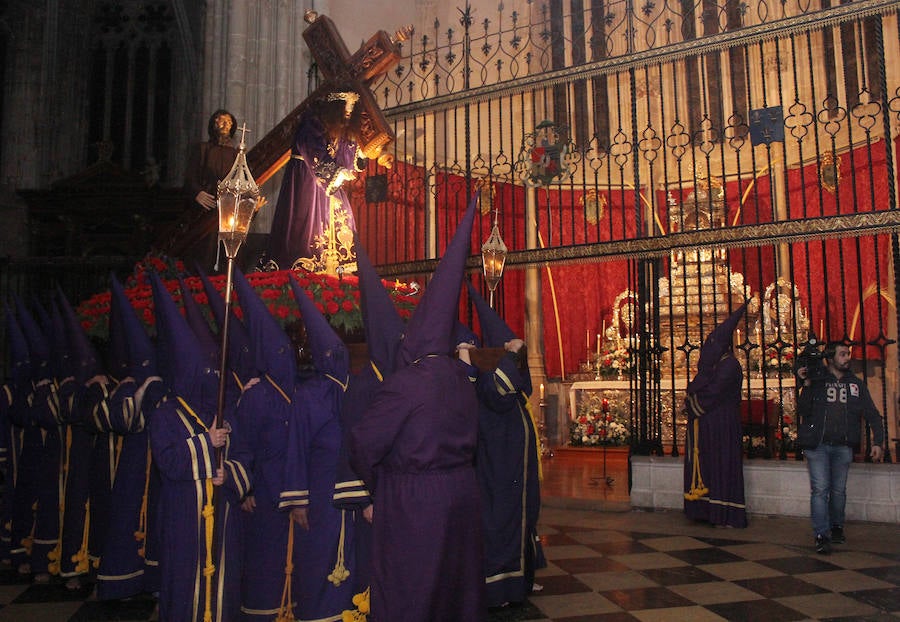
{"x":589,"y":478}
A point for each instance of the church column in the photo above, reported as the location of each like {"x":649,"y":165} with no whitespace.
{"x":534,"y":324}
{"x":150,"y":105}
{"x":783,"y":265}
{"x":128,"y":134}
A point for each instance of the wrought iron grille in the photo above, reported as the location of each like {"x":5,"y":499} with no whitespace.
{"x":691,"y":154}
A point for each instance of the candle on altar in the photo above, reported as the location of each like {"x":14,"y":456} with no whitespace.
{"x":598,"y":345}
{"x":542,"y":391}
{"x":587,"y":340}
{"x":821,"y":329}
{"x":603,"y":331}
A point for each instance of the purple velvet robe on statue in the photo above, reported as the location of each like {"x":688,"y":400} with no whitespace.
{"x":302,"y":211}
{"x":415,"y":448}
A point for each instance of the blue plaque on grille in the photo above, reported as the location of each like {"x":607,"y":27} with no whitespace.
{"x":766,"y":125}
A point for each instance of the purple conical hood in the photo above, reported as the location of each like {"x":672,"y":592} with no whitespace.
{"x":383,"y":325}
{"x":43,"y":318}
{"x":197,"y":321}
{"x":61,"y":356}
{"x":463,"y":334}
{"x":329,"y":354}
{"x":494,"y":331}
{"x":38,"y":346}
{"x":273,"y":352}
{"x":240,"y":359}
{"x":719,"y":341}
{"x":117,"y":349}
{"x":430,"y":328}
{"x":20,"y":363}
{"x":85,"y":363}
{"x":141,"y":360}
{"x":182,"y":360}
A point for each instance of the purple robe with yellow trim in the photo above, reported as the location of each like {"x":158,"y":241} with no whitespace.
{"x":186,"y":461}
{"x":350,"y":492}
{"x":507,"y":468}
{"x":415,"y":449}
{"x":714,"y":402}
{"x":104,"y":454}
{"x":77,"y":451}
{"x":6,"y":464}
{"x":122,"y":561}
{"x":45,"y":413}
{"x":261,"y":446}
{"x":324,"y":556}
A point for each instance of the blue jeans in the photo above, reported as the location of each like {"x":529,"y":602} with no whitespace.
{"x":828,"y":467}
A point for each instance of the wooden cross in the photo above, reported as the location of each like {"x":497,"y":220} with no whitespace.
{"x":341,"y":70}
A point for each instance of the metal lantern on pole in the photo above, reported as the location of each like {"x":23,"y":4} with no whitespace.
{"x":493,"y":258}
{"x":238,"y":200}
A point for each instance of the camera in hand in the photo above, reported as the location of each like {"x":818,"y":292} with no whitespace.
{"x":812,"y":357}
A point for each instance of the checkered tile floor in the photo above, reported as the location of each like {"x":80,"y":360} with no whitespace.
{"x":626,"y":565}
{"x":612,"y":567}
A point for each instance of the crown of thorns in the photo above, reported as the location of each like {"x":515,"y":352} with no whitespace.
{"x":348,"y":97}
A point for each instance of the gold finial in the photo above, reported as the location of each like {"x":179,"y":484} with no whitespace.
{"x":402,"y":34}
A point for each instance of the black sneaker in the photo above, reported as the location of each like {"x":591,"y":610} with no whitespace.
{"x":823,"y":545}
{"x":837,"y":535}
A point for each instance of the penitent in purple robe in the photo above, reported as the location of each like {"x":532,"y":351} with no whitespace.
{"x":186,"y":460}
{"x":260,"y":445}
{"x":350,"y":491}
{"x":302,"y":212}
{"x":714,"y":398}
{"x":507,"y":468}
{"x":322,"y":554}
{"x":415,"y":448}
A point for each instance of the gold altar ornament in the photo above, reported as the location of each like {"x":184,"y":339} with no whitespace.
{"x":830,"y":171}
{"x":594,"y":205}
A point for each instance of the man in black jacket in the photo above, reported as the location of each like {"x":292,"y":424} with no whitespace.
{"x":830,"y":405}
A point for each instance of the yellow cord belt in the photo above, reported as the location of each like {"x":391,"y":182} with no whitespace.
{"x":286,"y":611}
{"x":698,"y":489}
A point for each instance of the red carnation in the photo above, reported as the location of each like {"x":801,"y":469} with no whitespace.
{"x":347,"y":305}
{"x":332,"y":307}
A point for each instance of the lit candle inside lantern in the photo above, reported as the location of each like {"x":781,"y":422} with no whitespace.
{"x":542,"y":392}
{"x":737,"y":338}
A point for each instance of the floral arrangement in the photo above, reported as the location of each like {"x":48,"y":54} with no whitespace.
{"x":336,"y":297}
{"x":783,"y":361}
{"x":787,"y":435}
{"x":599,"y":422}
{"x":614,"y":362}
